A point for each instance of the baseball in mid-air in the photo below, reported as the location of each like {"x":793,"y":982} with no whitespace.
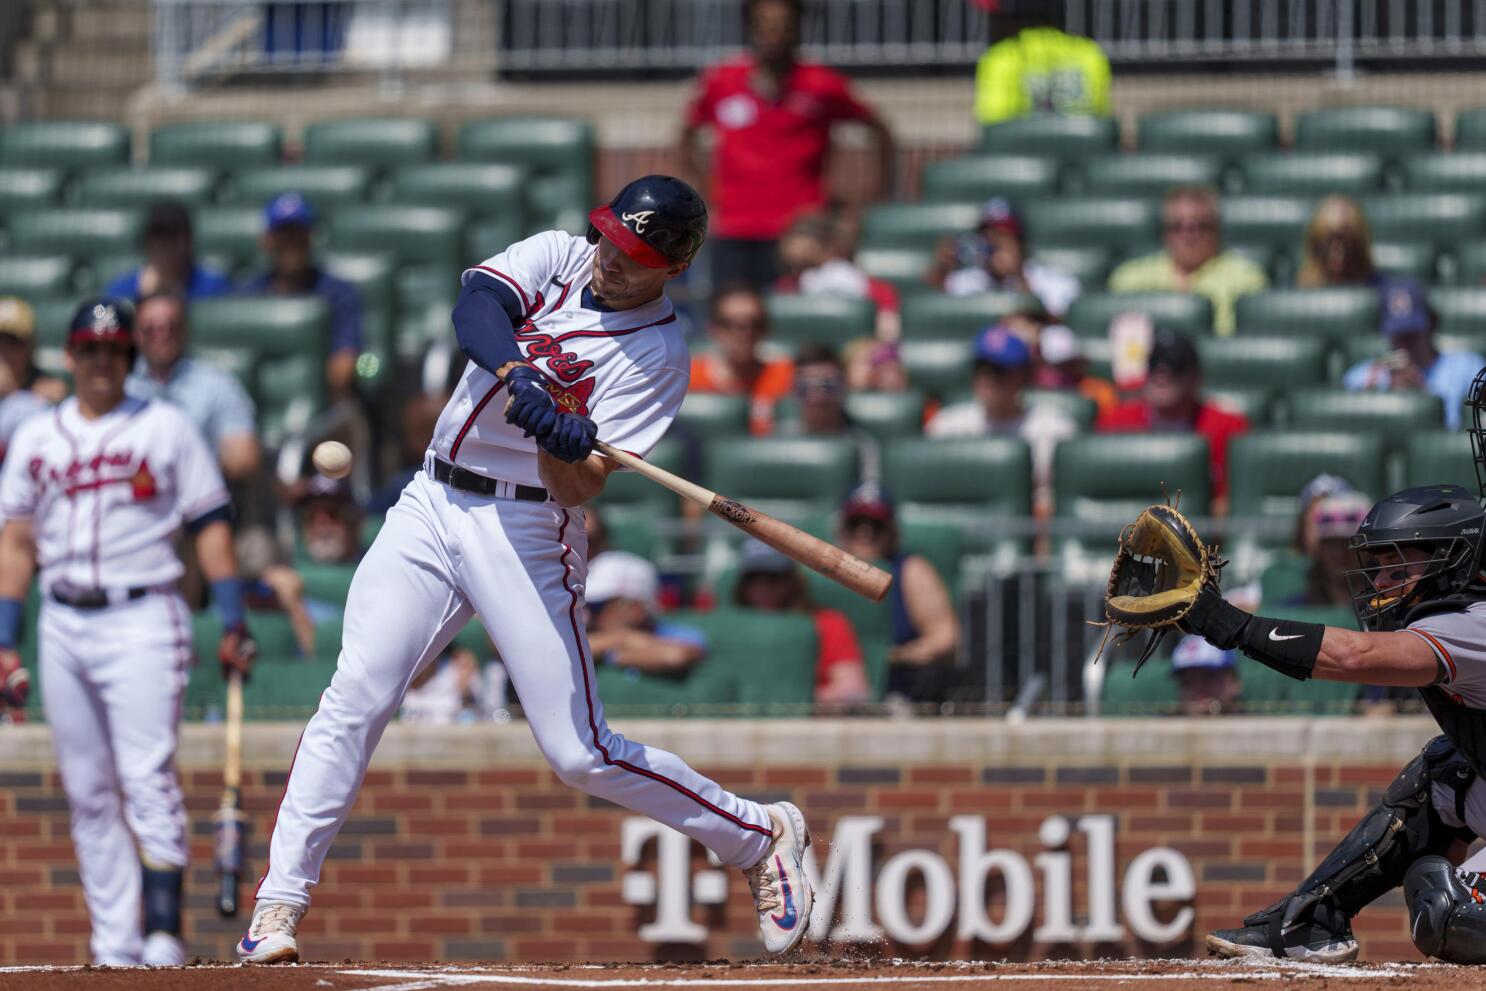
{"x":332,"y":459}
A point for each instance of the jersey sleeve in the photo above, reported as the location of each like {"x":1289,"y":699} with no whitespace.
{"x":845,"y":105}
{"x":19,"y":490}
{"x":1459,"y":645}
{"x":636,"y":414}
{"x":199,"y":485}
{"x":236,"y":414}
{"x":526,"y":266}
{"x":701,"y":110}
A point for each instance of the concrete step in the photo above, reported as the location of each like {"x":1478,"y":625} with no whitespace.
{"x":100,"y":64}
{"x":62,"y":102}
{"x":131,"y":21}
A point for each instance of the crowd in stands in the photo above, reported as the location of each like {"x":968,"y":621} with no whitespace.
{"x":1033,"y":372}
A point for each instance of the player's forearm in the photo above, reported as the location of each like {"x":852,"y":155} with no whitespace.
{"x":887,"y":159}
{"x":340,"y":373}
{"x":240,"y":456}
{"x":574,"y":484}
{"x":214,"y":551}
{"x":17,"y":560}
{"x":1400,"y":660}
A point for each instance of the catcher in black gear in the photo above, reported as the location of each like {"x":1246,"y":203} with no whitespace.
{"x":1420,"y":599}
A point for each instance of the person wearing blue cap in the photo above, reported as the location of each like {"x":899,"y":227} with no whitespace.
{"x":288,"y":227}
{"x":1003,"y":369}
{"x":1412,"y":361}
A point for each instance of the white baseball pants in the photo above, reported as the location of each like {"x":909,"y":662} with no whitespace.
{"x":442,"y":556}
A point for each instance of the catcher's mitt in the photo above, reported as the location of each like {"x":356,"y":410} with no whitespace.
{"x":1160,"y":569}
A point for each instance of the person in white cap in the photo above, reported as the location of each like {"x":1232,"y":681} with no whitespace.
{"x":1206,"y":677}
{"x":1062,"y":365}
{"x":623,"y":595}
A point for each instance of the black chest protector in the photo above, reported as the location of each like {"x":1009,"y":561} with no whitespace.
{"x":1465,"y":726}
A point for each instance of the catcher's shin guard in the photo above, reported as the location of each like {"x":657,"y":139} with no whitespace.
{"x":1375,"y":856}
{"x":1447,"y":911}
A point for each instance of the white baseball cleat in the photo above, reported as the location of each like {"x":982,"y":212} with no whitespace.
{"x":781,"y":891}
{"x":163,"y":949}
{"x":270,"y":937}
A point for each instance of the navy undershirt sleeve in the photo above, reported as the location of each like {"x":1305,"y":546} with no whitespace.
{"x":485,"y":318}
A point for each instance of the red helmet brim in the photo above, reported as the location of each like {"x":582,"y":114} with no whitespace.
{"x":626,"y":240}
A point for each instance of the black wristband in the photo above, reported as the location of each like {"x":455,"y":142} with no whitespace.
{"x":1288,"y":647}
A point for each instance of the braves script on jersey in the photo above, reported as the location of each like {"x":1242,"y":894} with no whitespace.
{"x":446,"y":554}
{"x":105,"y":498}
{"x":626,"y":369}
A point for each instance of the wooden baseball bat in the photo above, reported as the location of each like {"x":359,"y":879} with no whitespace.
{"x":229,"y":822}
{"x":847,"y":569}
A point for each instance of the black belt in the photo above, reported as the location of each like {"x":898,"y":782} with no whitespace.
{"x":98,"y":598}
{"x":468,"y":481}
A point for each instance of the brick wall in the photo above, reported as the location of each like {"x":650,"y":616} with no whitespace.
{"x":464,"y":846}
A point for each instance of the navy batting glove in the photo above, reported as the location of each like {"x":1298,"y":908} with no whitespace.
{"x":531,"y":407}
{"x":572,"y":439}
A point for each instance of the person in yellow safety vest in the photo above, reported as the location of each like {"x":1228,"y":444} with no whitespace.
{"x":1041,"y":70}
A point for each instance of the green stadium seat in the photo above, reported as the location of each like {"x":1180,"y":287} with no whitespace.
{"x":1105,"y":480}
{"x":938,"y":367}
{"x":325,"y":187}
{"x":1253,"y":403}
{"x":1444,"y":172}
{"x":127,"y":187}
{"x":973,"y":178}
{"x":797,"y":319}
{"x":416,"y":287}
{"x":1266,"y":470}
{"x":941,"y":317}
{"x":372,"y":273}
{"x":1460,"y":309}
{"x":1312,"y":173}
{"x":1394,"y":416}
{"x":1390,"y":131}
{"x":1189,"y":313}
{"x":1373,"y":346}
{"x":707,"y":688}
{"x":1253,"y":361}
{"x":1149,"y":173}
{"x":714,"y":416}
{"x":414,"y":235}
{"x":1413,"y":259}
{"x":786,"y":477}
{"x":53,"y":313}
{"x":906,"y":268}
{"x":558,"y":152}
{"x":1443,"y":218}
{"x":232,"y":231}
{"x":1275,"y":222}
{"x":64,"y":144}
{"x":82,"y":232}
{"x":628,"y":490}
{"x":1064,"y":136}
{"x":25,"y":187}
{"x":1438,"y":457}
{"x":1470,"y":129}
{"x":285,"y":338}
{"x":35,"y":275}
{"x":378,"y":142}
{"x":917,"y":225}
{"x":224,"y":144}
{"x":1470,"y":263}
{"x":1332,"y":314}
{"x":480,"y":189}
{"x":290,"y":689}
{"x":1077,"y":407}
{"x":491,"y":235}
{"x":1126,"y":224}
{"x":887,"y":416}
{"x":968,"y":483}
{"x":1091,"y":264}
{"x":326,"y":582}
{"x":1214,"y":131}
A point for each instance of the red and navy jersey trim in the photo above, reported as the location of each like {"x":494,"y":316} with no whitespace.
{"x":470,"y":420}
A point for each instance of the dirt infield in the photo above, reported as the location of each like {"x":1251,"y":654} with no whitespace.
{"x":1169,"y":975}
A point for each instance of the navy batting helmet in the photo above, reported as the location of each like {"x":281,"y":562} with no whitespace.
{"x":106,"y":319}
{"x":657,"y":220}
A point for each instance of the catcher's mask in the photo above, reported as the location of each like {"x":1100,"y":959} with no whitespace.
{"x":1416,"y":546}
{"x":1476,"y":402}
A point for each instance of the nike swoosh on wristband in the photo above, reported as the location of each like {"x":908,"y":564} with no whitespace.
{"x":788,"y":919}
{"x":1293,"y":636}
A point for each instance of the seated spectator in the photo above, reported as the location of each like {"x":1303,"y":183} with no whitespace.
{"x":1003,"y":370}
{"x":24,"y":390}
{"x":926,"y":631}
{"x":1171,"y":402}
{"x":622,"y":593}
{"x":1206,"y":677}
{"x":769,"y":581}
{"x":1193,"y":259}
{"x":330,"y":521}
{"x":815,"y":259}
{"x":214,"y":398}
{"x":1337,"y":247}
{"x":419,"y":416}
{"x":1331,"y":511}
{"x":1412,"y":362}
{"x":1061,"y":365}
{"x":995,"y":257}
{"x":1037,"y":68}
{"x":170,"y":264}
{"x":820,"y":392}
{"x":874,"y":366}
{"x":289,"y":226}
{"x":735,"y":365}
{"x":455,"y":690}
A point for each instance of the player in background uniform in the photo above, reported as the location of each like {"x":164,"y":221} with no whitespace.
{"x":93,"y":493}
{"x":569,"y":338}
{"x":1420,"y":598}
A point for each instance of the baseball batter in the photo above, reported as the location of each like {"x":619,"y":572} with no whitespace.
{"x":93,"y":493}
{"x":569,"y":339}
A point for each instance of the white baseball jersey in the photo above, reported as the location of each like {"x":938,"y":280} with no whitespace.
{"x":107,"y":495}
{"x":627,"y":369}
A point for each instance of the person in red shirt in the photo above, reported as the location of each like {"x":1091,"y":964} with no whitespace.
{"x":772,"y":116}
{"x":1171,"y":401}
{"x":770,"y":581}
{"x":737,"y":325}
